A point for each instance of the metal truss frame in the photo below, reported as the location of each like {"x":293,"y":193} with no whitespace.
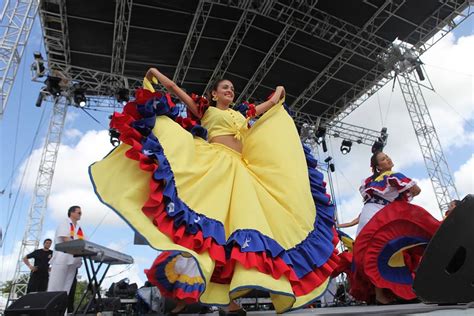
{"x":317,"y":23}
{"x":95,"y":82}
{"x":17,"y":19}
{"x":267,"y":62}
{"x":234,"y":42}
{"x":354,"y":133}
{"x":39,"y":200}
{"x":56,"y":38}
{"x":379,"y":18}
{"x":371,"y":82}
{"x":425,"y":131}
{"x":123,"y":13}
{"x":192,"y":40}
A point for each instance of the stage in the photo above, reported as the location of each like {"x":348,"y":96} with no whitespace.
{"x":400,"y":309}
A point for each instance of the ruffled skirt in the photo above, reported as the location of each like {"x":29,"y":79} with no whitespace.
{"x":388,"y":250}
{"x":260,"y":219}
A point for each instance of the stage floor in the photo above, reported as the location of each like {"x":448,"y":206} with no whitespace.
{"x":401,"y":309}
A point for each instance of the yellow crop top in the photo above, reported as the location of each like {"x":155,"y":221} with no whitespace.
{"x":224,"y":122}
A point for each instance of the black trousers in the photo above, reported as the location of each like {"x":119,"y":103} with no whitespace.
{"x":38,"y":282}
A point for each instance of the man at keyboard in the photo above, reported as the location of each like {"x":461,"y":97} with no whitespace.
{"x":63,"y":265}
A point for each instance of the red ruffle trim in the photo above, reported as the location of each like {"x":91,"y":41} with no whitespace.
{"x":395,"y":220}
{"x":154,"y":208}
{"x":344,"y":266}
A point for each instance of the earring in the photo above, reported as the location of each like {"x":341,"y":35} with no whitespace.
{"x":214,"y":98}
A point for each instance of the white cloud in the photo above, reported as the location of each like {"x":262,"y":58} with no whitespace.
{"x":71,"y":184}
{"x":464,"y":179}
{"x":427,"y":198}
{"x":8,"y":263}
{"x":71,"y":116}
{"x":72,"y":133}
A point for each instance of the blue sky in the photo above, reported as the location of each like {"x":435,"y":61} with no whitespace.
{"x":448,"y":64}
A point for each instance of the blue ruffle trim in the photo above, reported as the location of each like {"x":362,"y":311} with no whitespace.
{"x":314,"y":251}
{"x":397,"y":274}
{"x":382,"y":184}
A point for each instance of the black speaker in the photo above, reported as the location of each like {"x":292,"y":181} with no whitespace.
{"x":39,"y":304}
{"x":446,"y":272}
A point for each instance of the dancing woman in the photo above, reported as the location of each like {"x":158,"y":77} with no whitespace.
{"x":391,"y":235}
{"x":243,"y":202}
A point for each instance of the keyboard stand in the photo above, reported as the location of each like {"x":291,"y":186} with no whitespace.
{"x":93,"y":287}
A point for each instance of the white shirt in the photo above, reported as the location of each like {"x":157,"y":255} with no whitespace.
{"x":64,"y":230}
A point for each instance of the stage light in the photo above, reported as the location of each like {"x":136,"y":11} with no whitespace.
{"x":346,"y":146}
{"x":79,"y":97}
{"x":114,"y":137}
{"x":321,"y":132}
{"x":52,"y":86}
{"x":381,"y":141}
{"x":39,"y":100}
{"x":122,"y":95}
{"x":325,"y":147}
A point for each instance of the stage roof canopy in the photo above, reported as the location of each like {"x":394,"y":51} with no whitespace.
{"x":324,"y":52}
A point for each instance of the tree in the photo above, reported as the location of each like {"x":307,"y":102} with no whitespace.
{"x":5,"y":287}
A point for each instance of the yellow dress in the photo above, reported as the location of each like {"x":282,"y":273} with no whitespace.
{"x":248,"y":220}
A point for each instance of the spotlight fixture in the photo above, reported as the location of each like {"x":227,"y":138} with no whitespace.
{"x":37,"y":67}
{"x":381,"y":141}
{"x":321,"y":132}
{"x":122,"y":95}
{"x":346,"y":146}
{"x":325,"y":147}
{"x":79,"y":97}
{"x":114,"y":137}
{"x":330,"y":164}
{"x":52,"y":86}
{"x":39,"y":100}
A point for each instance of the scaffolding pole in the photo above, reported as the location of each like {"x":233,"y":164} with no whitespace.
{"x":17,"y":19}
{"x":430,"y":146}
{"x":39,"y":200}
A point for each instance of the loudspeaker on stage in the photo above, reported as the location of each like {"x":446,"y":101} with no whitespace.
{"x":39,"y":304}
{"x":446,"y":272}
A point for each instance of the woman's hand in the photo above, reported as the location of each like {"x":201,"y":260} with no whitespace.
{"x":152,"y":73}
{"x":414,"y":190}
{"x":278,"y":94}
{"x":282,"y":92}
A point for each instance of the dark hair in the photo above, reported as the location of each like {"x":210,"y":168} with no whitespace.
{"x":374,"y":163}
{"x":456,"y":202}
{"x":214,"y":87}
{"x":71,"y":210}
{"x":47,"y":239}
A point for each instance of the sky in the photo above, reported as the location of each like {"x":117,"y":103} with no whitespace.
{"x":448,"y":64}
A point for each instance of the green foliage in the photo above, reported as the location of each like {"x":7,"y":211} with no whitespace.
{"x":5,"y":287}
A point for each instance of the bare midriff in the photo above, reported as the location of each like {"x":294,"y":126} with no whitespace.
{"x":229,"y":141}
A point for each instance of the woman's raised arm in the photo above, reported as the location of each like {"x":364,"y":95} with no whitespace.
{"x":265,"y":106}
{"x":172,"y":87}
{"x":354,"y":222}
